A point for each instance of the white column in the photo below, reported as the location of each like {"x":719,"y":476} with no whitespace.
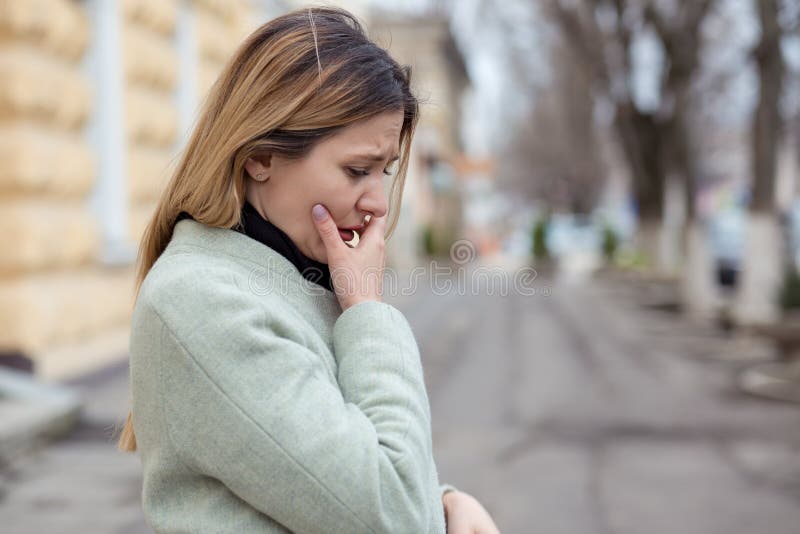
{"x":186,"y":88}
{"x":109,"y":200}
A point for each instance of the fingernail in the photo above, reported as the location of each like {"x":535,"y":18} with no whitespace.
{"x":318,"y":211}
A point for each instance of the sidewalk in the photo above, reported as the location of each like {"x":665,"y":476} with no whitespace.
{"x":576,"y":411}
{"x":81,"y":483}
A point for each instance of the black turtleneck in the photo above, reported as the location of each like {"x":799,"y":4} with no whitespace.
{"x":257,"y":227}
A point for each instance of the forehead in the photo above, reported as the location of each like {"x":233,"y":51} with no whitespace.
{"x":376,"y":134}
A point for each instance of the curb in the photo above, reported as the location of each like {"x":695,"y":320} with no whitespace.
{"x":32,"y":413}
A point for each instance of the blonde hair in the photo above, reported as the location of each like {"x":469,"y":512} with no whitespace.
{"x":296,"y":80}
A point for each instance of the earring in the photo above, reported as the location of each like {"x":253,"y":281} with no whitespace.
{"x":260,"y":177}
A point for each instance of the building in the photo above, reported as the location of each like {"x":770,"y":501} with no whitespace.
{"x":432,"y":197}
{"x":94,"y":100}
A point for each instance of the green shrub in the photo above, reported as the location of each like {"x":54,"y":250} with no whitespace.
{"x":428,"y":240}
{"x":539,"y":240}
{"x":790,"y":292}
{"x":610,"y":243}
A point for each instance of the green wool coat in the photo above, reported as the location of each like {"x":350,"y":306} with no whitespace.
{"x":259,"y":406}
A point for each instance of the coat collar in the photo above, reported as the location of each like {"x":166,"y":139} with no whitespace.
{"x":264,"y":231}
{"x":268,"y":263}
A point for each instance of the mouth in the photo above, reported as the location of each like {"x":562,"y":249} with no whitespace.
{"x":348,"y":234}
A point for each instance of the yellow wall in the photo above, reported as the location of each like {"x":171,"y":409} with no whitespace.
{"x":151,"y":116}
{"x":49,"y":285}
{"x":221,"y":26}
{"x":60,"y":306}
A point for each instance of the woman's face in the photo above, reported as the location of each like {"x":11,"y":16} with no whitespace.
{"x":344,"y":173}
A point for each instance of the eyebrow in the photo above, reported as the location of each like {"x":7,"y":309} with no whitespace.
{"x":375,"y":157}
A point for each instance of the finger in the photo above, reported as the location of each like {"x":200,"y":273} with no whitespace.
{"x":326,"y":228}
{"x":376,"y":228}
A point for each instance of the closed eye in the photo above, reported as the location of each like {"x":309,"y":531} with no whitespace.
{"x":357,"y":172}
{"x":365,"y":172}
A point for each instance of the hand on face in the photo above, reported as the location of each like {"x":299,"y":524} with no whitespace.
{"x":356,"y":272}
{"x":341,"y":172}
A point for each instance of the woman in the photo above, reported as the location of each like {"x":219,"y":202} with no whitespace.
{"x":273,"y":390}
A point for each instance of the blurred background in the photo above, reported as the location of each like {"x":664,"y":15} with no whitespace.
{"x":602,"y":205}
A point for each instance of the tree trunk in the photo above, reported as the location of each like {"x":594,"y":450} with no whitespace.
{"x":652,"y":240}
{"x":762,"y":269}
{"x":762,"y":273}
{"x":767,"y":121}
{"x":699,"y":293}
{"x":682,"y":45}
{"x":641,"y":143}
{"x":674,"y":224}
{"x":641,"y":140}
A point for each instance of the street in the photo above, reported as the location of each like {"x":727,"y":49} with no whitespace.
{"x":574,"y":410}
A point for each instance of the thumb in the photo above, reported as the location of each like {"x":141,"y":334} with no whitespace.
{"x":326,"y":228}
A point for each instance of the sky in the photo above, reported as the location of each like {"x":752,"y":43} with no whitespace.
{"x":491,"y":33}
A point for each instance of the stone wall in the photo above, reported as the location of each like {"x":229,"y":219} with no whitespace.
{"x":62,"y":309}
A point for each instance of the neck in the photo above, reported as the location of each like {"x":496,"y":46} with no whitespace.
{"x":253,"y":193}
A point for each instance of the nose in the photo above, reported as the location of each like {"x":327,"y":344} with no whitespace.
{"x":373,"y":200}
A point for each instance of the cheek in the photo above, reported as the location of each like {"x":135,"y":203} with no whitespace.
{"x":343,"y":201}
{"x":328,"y":185}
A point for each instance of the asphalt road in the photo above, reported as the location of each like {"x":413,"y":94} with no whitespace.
{"x":573,"y":410}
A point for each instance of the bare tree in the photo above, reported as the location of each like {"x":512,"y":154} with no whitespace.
{"x":554,"y":154}
{"x":763,"y":260}
{"x":679,"y":33}
{"x":656,"y":142}
{"x":767,"y":119}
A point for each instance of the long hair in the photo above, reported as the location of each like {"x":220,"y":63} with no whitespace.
{"x":295,"y":81}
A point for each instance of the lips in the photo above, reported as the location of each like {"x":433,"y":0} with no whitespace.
{"x":348,"y":233}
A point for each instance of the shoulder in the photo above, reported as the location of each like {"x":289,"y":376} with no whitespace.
{"x":216,"y":284}
{"x":189,"y":274}
{"x":200,"y":261}
{"x":189,"y":290}
{"x":208,"y":318}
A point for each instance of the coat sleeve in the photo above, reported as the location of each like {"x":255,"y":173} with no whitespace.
{"x":247,"y":403}
{"x":446,"y":488}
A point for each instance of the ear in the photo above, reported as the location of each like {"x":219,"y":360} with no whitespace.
{"x":258,"y":167}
